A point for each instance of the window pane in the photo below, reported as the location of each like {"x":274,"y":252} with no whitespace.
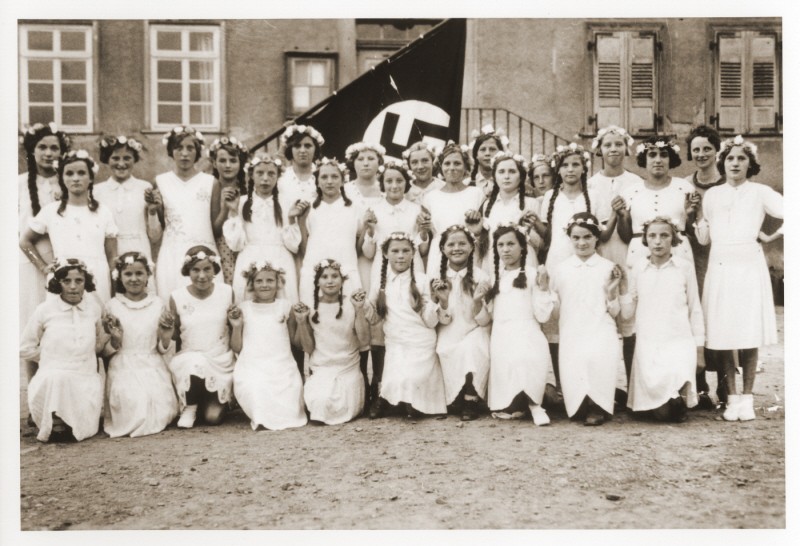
{"x":40,"y":92}
{"x":73,"y":70}
{"x":169,"y":92}
{"x":201,"y":70}
{"x":300,"y":76}
{"x":73,"y":41}
{"x":40,"y":114}
{"x":201,"y":92}
{"x":201,"y":41}
{"x":169,"y":70}
{"x":200,"y":114}
{"x":319,"y":73}
{"x":169,"y":113}
{"x":73,"y":92}
{"x":301,"y":98}
{"x":73,"y":115}
{"x":318,"y":93}
{"x":168,"y":41}
{"x":40,"y":70}
{"x":40,"y":40}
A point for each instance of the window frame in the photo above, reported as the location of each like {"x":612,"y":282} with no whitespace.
{"x":289,"y":58}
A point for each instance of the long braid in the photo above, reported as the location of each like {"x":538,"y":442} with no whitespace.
{"x":467,"y":281}
{"x":483,"y":240}
{"x":318,"y":200}
{"x":416,"y":297}
{"x":585,"y":189}
{"x":341,"y":298}
{"x":521,"y":190}
{"x":347,"y":201}
{"x":548,"y":236}
{"x":380,"y":305}
{"x":495,"y":289}
{"x":315,"y":316}
{"x":64,"y":196}
{"x":93,"y":204}
{"x":522,"y":279}
{"x":443,"y":268}
{"x":276,"y":207}
{"x":247,"y":209}
{"x":33,"y":190}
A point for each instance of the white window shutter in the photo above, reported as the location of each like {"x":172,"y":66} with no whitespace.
{"x":608,"y":86}
{"x":764,"y":84}
{"x":730,"y":85}
{"x":642,"y":83}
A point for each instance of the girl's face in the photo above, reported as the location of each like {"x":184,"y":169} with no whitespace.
{"x":583,"y":242}
{"x":202,"y":274}
{"x":486,"y":152}
{"x":657,"y":162}
{"x":736,"y":165}
{"x":303,"y":152}
{"x":400,"y":254}
{"x":394,"y":185}
{"x":659,"y":239}
{"x":329,"y":179}
{"x":73,"y":286}
{"x":77,"y":178}
{"x":509,"y":250}
{"x":421,"y":165}
{"x":265,"y":177}
{"x":571,"y":169}
{"x":121,"y":163}
{"x":613,"y":150}
{"x":134,"y":279}
{"x":506,"y":175}
{"x":366,"y":165}
{"x":185,"y":154}
{"x":330,"y":282}
{"x":453,"y":168}
{"x":457,"y":249}
{"x":47,"y":150}
{"x":703,"y":153}
{"x":227,"y":165}
{"x":265,"y":286}
{"x":542,"y":180}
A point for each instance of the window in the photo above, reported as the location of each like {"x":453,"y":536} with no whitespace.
{"x":185,"y":86}
{"x":379,"y":39}
{"x":747,"y":81}
{"x":311,"y":79}
{"x":57,"y":76}
{"x":625,"y":79}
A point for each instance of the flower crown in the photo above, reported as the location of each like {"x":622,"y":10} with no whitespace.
{"x":460,"y":228}
{"x":182,"y":130}
{"x":738,"y":140}
{"x":580,"y":222}
{"x":353,"y":150}
{"x":451,"y":147}
{"x":262,"y":265}
{"x":488,"y":130}
{"x":304,"y":130}
{"x":611,"y":130}
{"x":224,"y":141}
{"x":331,"y":161}
{"x":540,"y":158}
{"x":513,"y":225}
{"x":562,"y":152}
{"x":398,"y":236}
{"x":661,"y":220}
{"x":259,"y":159}
{"x":503,"y":155}
{"x":77,"y":154}
{"x":36,"y":127}
{"x":397,"y":166}
{"x":659,"y":145}
{"x":324,"y":264}
{"x":421,"y":145}
{"x":131,"y":259}
{"x":112,"y":142}
{"x":62,"y":263}
{"x":201,"y":255}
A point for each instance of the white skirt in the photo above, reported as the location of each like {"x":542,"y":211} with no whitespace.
{"x":412,"y":373}
{"x":662,"y":370}
{"x":520,"y":362}
{"x":461,"y":353}
{"x":334,"y":393}
{"x":215,"y":366}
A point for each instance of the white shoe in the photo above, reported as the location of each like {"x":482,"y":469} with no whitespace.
{"x":732,"y":408}
{"x":746,"y":411}
{"x":540,"y":418}
{"x":188,"y":416}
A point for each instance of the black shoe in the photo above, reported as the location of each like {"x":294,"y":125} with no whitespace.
{"x":469,"y":411}
{"x":595,"y":417}
{"x":412,"y":413}
{"x":704,"y":402}
{"x":376,"y":409}
{"x":30,"y":422}
{"x":677,"y":410}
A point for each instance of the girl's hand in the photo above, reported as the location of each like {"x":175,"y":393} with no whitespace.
{"x":370,"y":313}
{"x":46,"y":269}
{"x":618,"y":205}
{"x":370,"y":220}
{"x":358,"y":298}
{"x":166,"y":322}
{"x":440,"y":290}
{"x":692,"y":202}
{"x":542,"y":278}
{"x":298,"y":209}
{"x":612,"y":284}
{"x":472,"y":216}
{"x":480,"y":291}
{"x":529,"y":219}
{"x":232,"y":205}
{"x":300,"y":311}
{"x":423,"y":221}
{"x":228,"y":195}
{"x":153,"y":200}
{"x":113,"y":327}
{"x":235,"y":317}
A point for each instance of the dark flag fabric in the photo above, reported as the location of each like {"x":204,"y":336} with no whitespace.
{"x":413,"y":95}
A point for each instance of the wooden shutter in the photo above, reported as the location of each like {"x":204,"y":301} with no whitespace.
{"x":642,"y":82}
{"x":730,"y":85}
{"x":763,"y":104}
{"x":608,"y":86}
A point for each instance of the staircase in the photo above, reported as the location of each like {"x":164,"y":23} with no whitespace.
{"x":525,"y":137}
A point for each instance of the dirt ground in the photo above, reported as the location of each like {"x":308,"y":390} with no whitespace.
{"x":430,"y":474}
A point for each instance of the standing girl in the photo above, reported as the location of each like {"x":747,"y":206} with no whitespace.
{"x":302,"y":146}
{"x":412,"y":375}
{"x":484,"y":147}
{"x":540,"y":178}
{"x":64,"y":335}
{"x":189,"y":207}
{"x":78,"y":225}
{"x":420,"y":158}
{"x":139,"y":393}
{"x":520,"y":358}
{"x":228,"y":156}
{"x":334,"y":392}
{"x":586,"y":285}
{"x":262,"y":226}
{"x":266,"y":380}
{"x":737,"y":297}
{"x":463,"y":332}
{"x":203,"y":368}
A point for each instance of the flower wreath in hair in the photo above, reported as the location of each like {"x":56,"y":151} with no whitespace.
{"x":36,"y":127}
{"x":179,"y":130}
{"x":263,"y":265}
{"x":324,"y":264}
{"x":77,"y":154}
{"x":121,"y":140}
{"x":451,"y":147}
{"x":61,"y":263}
{"x":201,"y":255}
{"x":659,"y":145}
{"x":265,"y":159}
{"x":502,"y":155}
{"x":399,"y":236}
{"x":570,"y":149}
{"x":460,"y":228}
{"x":611,"y":130}
{"x":539,"y":159}
{"x":581,"y":222}
{"x":120,"y":264}
{"x":427,"y":146}
{"x":522,"y":230}
{"x":307,"y":130}
{"x":331,"y":161}
{"x":353,"y":150}
{"x":738,"y":140}
{"x":488,"y":130}
{"x":662,"y":220}
{"x":397,"y":166}
{"x":224,"y":141}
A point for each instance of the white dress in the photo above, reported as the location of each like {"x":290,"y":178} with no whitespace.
{"x":364,"y":264}
{"x":140,"y":398}
{"x":80,"y":233}
{"x":62,"y":338}
{"x":334,"y":392}
{"x":463,"y":339}
{"x":205,"y":348}
{"x":519,"y":353}
{"x":291,"y":188}
{"x":127,"y":205}
{"x":447,"y":209}
{"x":262,"y":239}
{"x":590,"y":350}
{"x":187,"y":217}
{"x":669,"y":328}
{"x":411,"y":370}
{"x":266,"y":381}
{"x":417,"y":195}
{"x":504,"y":212}
{"x":737,"y":297}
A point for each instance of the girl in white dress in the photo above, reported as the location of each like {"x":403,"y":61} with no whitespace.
{"x":463,"y":332}
{"x":140,"y":398}
{"x":202,"y":370}
{"x":662,"y":291}
{"x":540,"y":178}
{"x":484,"y":146}
{"x":412,"y":376}
{"x":64,"y":335}
{"x":334,"y":392}
{"x":266,"y":381}
{"x":302,"y":146}
{"x":420,"y":159}
{"x":586,"y":285}
{"x":133,"y":202}
{"x":262,"y":226}
{"x":190,"y":202}
{"x":78,"y":226}
{"x":737,"y":297}
{"x":519,"y":353}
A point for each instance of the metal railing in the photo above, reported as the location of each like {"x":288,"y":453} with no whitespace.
{"x":525,"y":137}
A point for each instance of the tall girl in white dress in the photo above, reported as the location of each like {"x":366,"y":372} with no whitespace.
{"x":737,"y":297}
{"x":484,"y":146}
{"x":420,"y":158}
{"x":189,"y":206}
{"x":334,"y":392}
{"x":301,"y":145}
{"x":140,"y":398}
{"x":266,"y":381}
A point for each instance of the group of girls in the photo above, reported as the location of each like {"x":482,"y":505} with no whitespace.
{"x":279,"y":287}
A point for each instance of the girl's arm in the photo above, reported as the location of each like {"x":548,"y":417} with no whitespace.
{"x":153,"y":205}
{"x":110,"y":246}
{"x":291,"y":234}
{"x":176,"y":334}
{"x":101,"y":336}
{"x":302,"y":221}
{"x":166,"y":331}
{"x":361,"y":325}
{"x":480,"y":311}
{"x":304,"y":334}
{"x":233,"y":229}
{"x":608,"y":230}
{"x":236,"y":320}
{"x":628,"y":292}
{"x":27,"y":243}
{"x":29,"y":348}
{"x":544,"y":300}
{"x":693,"y":302}
{"x":219,"y":213}
{"x":624,"y":226}
{"x":430,"y":310}
{"x":612,"y":291}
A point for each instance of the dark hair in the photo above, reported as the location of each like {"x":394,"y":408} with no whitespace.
{"x":451,"y":148}
{"x":753,"y":167}
{"x":702,"y":131}
{"x":416,"y":297}
{"x":192,"y":254}
{"x":483,"y":243}
{"x":676,"y":240}
{"x":521,"y":281}
{"x":68,"y":159}
{"x":30,"y":139}
{"x":294,"y":140}
{"x":233,"y":150}
{"x":174,"y":140}
{"x":467,"y":282}
{"x":579,"y":220}
{"x":476,"y":146}
{"x":247,"y":208}
{"x":350,"y":161}
{"x":318,"y":200}
{"x":674,"y":158}
{"x":54,"y":284}
{"x":120,"y":265}
{"x":109,"y":145}
{"x":402,"y":171}
{"x":557,"y":188}
{"x":317,"y":276}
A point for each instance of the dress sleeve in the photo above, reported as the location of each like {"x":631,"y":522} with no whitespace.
{"x":773,"y":202}
{"x":109,"y":225}
{"x":628,"y":301}
{"x":695,"y":308}
{"x":291,"y":236}
{"x":29,"y":348}
{"x":543,"y":304}
{"x":41,"y":221}
{"x":430,"y":315}
{"x":233,"y":230}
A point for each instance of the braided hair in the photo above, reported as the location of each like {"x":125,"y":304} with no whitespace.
{"x":342,"y":170}
{"x":467,"y":282}
{"x":30,"y":139}
{"x":319,"y":269}
{"x":483,"y":243}
{"x":416,"y":297}
{"x":521,"y":280}
{"x":247,"y":208}
{"x":73,"y":157}
{"x":557,"y":162}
